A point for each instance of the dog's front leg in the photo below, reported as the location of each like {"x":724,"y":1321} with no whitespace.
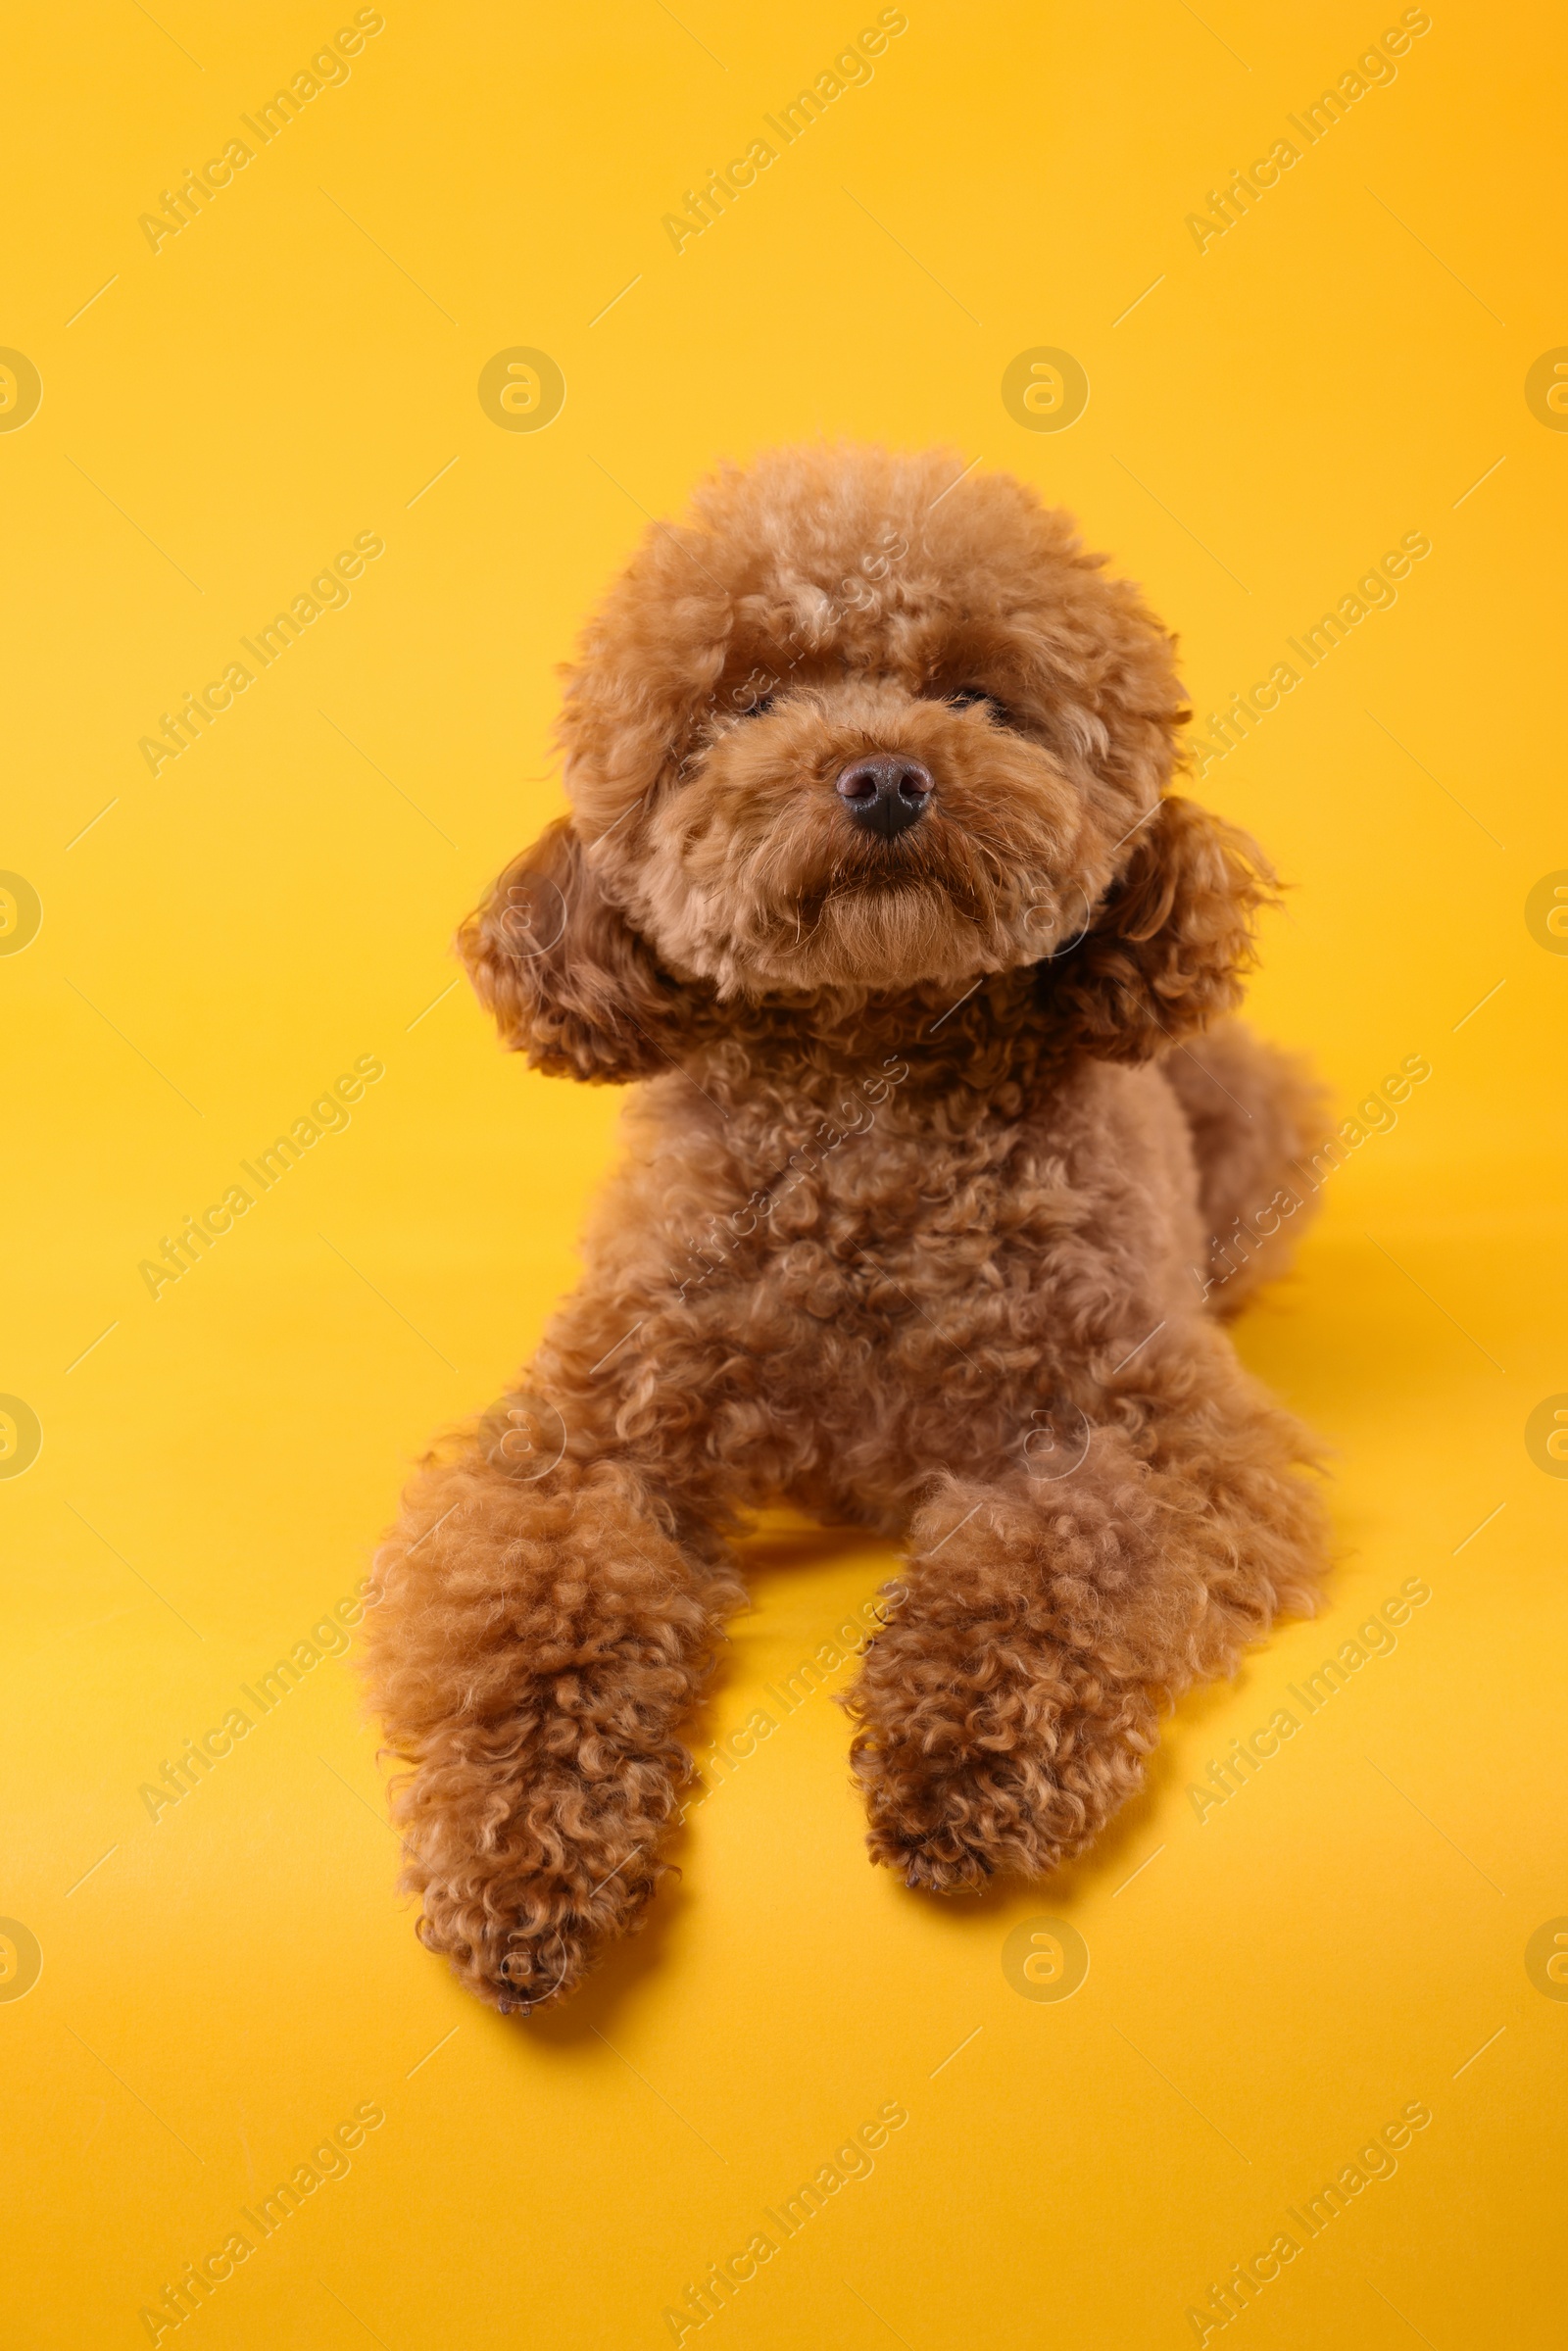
{"x":1008,"y":1708}
{"x":543,"y":1626}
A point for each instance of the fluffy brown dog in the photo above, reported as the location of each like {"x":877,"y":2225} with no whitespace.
{"x":873,"y":882}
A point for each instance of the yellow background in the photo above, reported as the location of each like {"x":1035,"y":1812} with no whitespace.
{"x":231,"y":1982}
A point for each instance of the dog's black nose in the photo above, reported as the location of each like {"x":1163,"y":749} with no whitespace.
{"x":885,"y":795}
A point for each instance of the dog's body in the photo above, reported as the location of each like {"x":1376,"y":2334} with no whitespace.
{"x":919,"y":1257}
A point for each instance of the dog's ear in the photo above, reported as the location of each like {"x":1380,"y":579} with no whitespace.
{"x":1168,"y":945}
{"x":569,"y":982}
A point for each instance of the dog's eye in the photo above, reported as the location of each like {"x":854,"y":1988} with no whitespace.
{"x":755,"y":709}
{"x":964,"y":698}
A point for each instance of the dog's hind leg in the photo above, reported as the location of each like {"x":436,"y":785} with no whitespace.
{"x":542,"y":1625}
{"x":1256,"y":1115}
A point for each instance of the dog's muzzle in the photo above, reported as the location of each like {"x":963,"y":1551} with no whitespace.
{"x":885,"y":795}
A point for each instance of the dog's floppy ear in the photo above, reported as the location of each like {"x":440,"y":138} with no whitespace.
{"x":569,"y":982}
{"x":1168,"y":948}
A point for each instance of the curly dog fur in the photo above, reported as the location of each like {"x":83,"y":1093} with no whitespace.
{"x":918,"y":1163}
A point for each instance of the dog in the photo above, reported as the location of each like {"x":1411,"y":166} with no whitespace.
{"x":874,"y":890}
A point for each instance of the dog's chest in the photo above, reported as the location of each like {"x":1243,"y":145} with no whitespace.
{"x":873,"y":1209}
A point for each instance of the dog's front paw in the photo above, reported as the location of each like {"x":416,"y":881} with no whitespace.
{"x":523,"y":1904}
{"x":979,"y":1754}
{"x":935,"y":1831}
{"x":932,"y":1839}
{"x":949,"y":1831}
{"x":524,"y":1944}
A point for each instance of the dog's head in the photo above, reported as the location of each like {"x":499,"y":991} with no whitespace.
{"x":869,"y":723}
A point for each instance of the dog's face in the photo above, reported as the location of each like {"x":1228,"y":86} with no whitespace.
{"x":864,"y":722}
